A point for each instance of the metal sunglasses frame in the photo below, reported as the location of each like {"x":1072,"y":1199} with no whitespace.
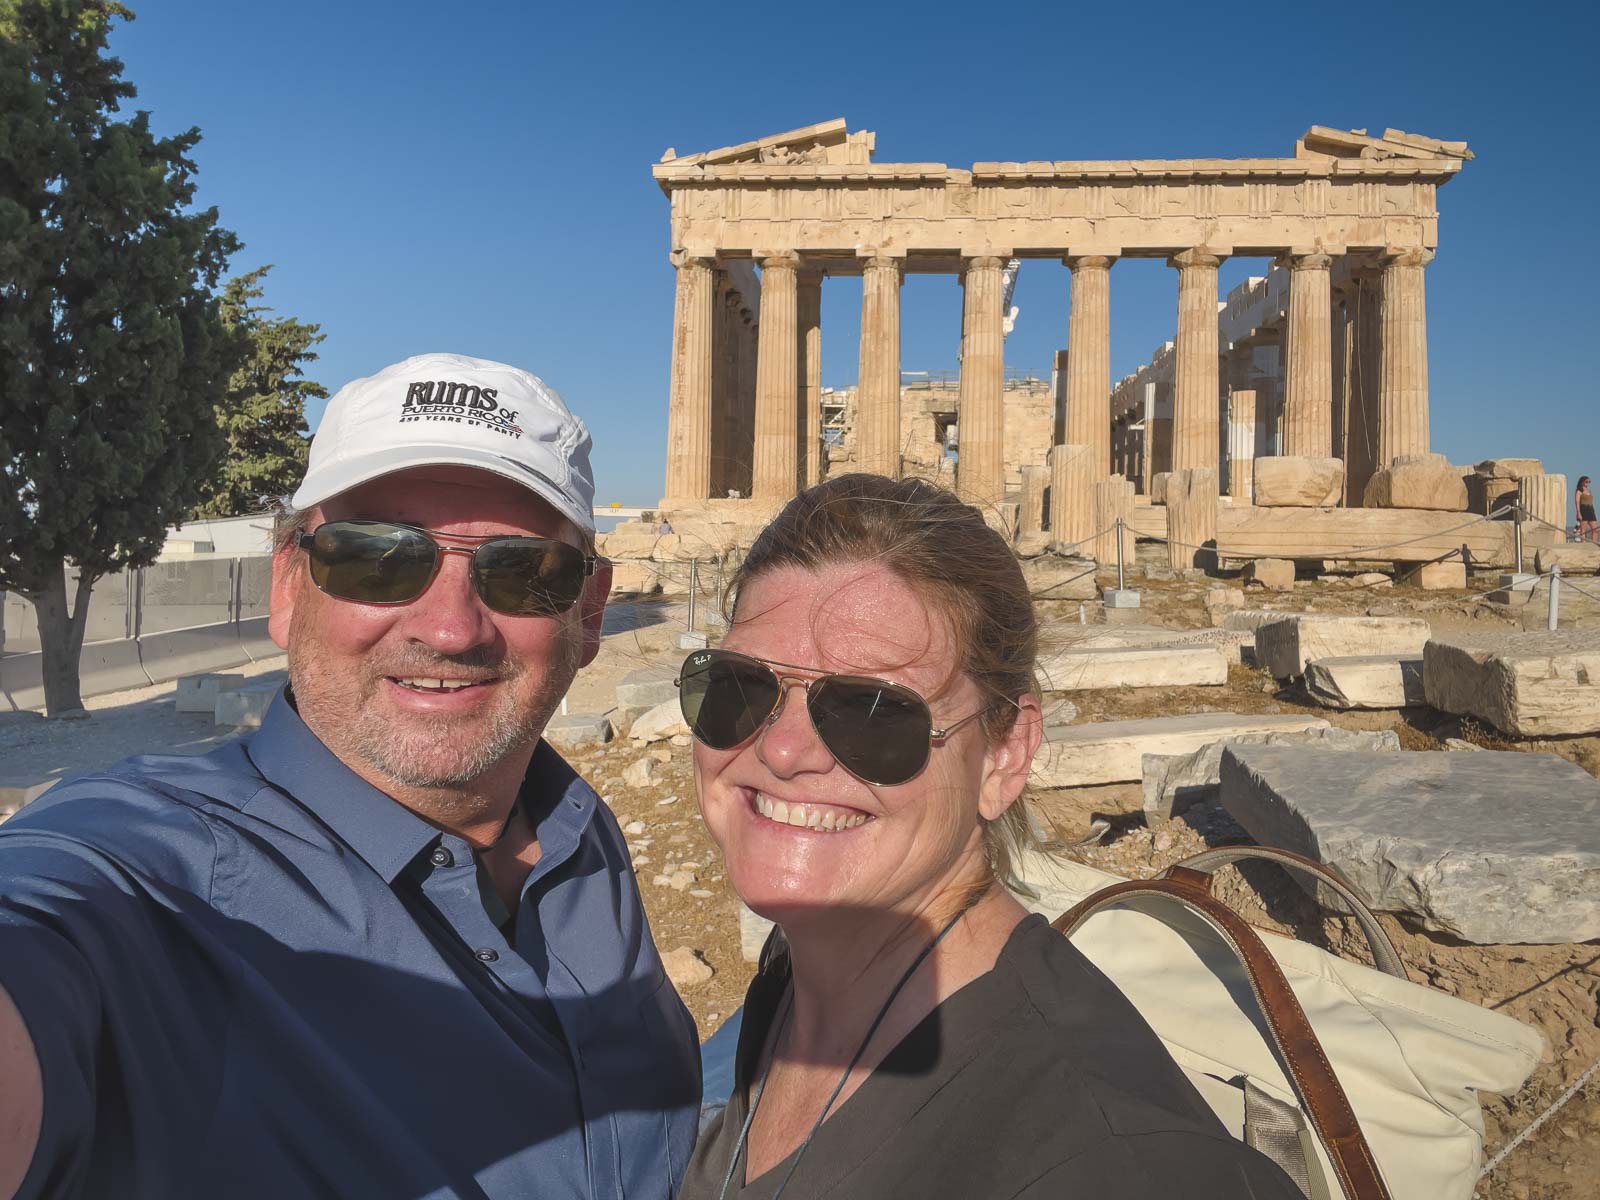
{"x":935,"y":736}
{"x":591,"y":562}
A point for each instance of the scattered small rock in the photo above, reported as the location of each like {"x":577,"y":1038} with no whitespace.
{"x":681,"y":739}
{"x":633,"y":827}
{"x":639,"y":774}
{"x":686,"y":968}
{"x":662,"y":755}
{"x":701,"y":893}
{"x":666,"y":800}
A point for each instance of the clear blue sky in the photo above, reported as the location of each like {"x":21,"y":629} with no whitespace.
{"x":475,"y":177}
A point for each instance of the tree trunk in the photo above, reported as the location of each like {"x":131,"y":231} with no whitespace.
{"x":61,"y":638}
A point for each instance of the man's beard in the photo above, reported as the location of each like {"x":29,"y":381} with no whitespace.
{"x":417,"y":752}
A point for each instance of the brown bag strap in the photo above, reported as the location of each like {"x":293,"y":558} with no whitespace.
{"x":1384,"y":955}
{"x":1307,"y":1066}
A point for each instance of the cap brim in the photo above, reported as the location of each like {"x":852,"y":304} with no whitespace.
{"x":364,"y":468}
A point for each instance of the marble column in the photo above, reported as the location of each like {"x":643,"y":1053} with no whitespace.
{"x":878,"y":392}
{"x":1071,"y":499}
{"x":1088,"y":392}
{"x":776,"y":452}
{"x":809,"y":304}
{"x":1308,"y":365}
{"x":1192,"y":518}
{"x":1194,"y":402}
{"x":1058,"y":381}
{"x":689,"y":403}
{"x":1112,"y":499}
{"x":1035,"y":481}
{"x":1242,"y":444}
{"x":1363,"y":344}
{"x":1339,"y":342}
{"x":981,"y":462}
{"x":1403,"y":378}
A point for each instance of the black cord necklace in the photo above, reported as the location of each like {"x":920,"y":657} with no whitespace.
{"x":761,"y":1085}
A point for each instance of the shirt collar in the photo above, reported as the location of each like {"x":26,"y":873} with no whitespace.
{"x":385,"y":833}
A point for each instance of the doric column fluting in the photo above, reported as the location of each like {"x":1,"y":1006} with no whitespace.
{"x":1363,"y":343}
{"x":981,"y":454}
{"x":689,"y":398}
{"x":1242,"y":443}
{"x":1088,"y":393}
{"x":1403,"y":378}
{"x":809,"y":303}
{"x":776,"y":451}
{"x":1308,"y":365}
{"x":878,"y":384}
{"x":1194,"y":403}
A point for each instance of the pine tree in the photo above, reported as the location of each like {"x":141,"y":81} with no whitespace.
{"x":263,"y":416}
{"x":113,"y":356}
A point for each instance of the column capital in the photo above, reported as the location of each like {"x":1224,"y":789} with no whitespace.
{"x":784,"y":260}
{"x":1414,"y":257}
{"x":1090,"y":262}
{"x":1305,"y":262}
{"x":1199,"y":256}
{"x":985,"y":262}
{"x":883,"y":262}
{"x":683,"y":258}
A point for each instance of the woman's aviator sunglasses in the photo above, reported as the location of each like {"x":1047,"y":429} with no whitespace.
{"x":882,"y":733}
{"x":381,"y":562}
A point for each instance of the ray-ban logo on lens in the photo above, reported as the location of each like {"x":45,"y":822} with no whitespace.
{"x":458,"y":403}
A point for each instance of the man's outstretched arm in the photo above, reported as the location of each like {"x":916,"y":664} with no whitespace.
{"x":21,"y":1098}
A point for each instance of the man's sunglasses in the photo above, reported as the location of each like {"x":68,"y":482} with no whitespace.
{"x":380,"y":562}
{"x":880,"y":732}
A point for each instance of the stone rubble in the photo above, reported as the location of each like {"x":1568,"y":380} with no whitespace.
{"x":1537,"y":684}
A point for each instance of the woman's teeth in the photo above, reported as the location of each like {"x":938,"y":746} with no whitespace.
{"x":809,"y":816}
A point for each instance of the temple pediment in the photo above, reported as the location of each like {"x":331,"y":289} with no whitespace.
{"x":826,"y":144}
{"x":1395,"y":143}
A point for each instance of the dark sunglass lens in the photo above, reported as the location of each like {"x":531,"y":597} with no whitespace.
{"x":529,"y":577}
{"x":724,"y":698}
{"x":877,"y":733}
{"x":370,"y":562}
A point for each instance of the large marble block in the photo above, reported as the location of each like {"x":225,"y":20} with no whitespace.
{"x":1112,"y":751}
{"x":1284,"y":646}
{"x":1535,"y":684}
{"x":1366,"y":681}
{"x":1282,"y":481}
{"x":1493,"y":847}
{"x":1423,"y":481}
{"x":1133,"y":666}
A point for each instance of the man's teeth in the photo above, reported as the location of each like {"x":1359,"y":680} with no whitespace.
{"x":435,"y":685}
{"x":808,"y":816}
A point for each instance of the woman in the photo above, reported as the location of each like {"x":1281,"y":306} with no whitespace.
{"x":864,"y":736}
{"x":1588,"y":530}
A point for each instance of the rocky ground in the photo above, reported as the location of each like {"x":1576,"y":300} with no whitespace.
{"x":694,"y":914}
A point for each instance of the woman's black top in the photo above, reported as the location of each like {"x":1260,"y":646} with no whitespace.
{"x":1035,"y":1080}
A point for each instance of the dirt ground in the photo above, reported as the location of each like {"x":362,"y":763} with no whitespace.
{"x":686,"y":894}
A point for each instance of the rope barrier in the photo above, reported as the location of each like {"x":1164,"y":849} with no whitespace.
{"x":1540,"y":1119}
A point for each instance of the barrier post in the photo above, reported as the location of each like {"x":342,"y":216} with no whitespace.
{"x":694,"y":586}
{"x":1121,"y":577}
{"x":1516,"y":520}
{"x":1555,"y":597}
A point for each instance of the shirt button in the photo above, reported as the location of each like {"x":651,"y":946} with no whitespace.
{"x":442,"y":857}
{"x":488,"y":954}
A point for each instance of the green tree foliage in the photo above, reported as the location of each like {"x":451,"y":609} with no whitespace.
{"x":263,"y":416}
{"x":113,"y":356}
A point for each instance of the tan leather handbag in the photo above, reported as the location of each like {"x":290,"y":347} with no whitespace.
{"x":1361,"y":1084}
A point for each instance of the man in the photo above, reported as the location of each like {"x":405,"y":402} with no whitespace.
{"x":391,"y":945}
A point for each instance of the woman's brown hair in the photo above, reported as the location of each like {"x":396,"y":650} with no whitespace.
{"x":941,"y":547}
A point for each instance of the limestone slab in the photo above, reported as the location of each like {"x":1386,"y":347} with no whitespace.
{"x":245,"y":706}
{"x":1252,"y":619}
{"x":1133,"y":666}
{"x":1274,"y":574}
{"x":1364,"y":534}
{"x":1536,"y":684}
{"x":648,"y":686}
{"x":1440,"y":576}
{"x":1574,"y":558}
{"x":661,"y":722}
{"x":1366,"y":681}
{"x":1284,"y":646}
{"x":1493,"y":847}
{"x":569,"y":731}
{"x":198,"y":693}
{"x":1172,"y":782}
{"x":1112,"y":751}
{"x":1051,"y":577}
{"x":1423,"y":481}
{"x":1083,"y":637}
{"x":1282,"y":481}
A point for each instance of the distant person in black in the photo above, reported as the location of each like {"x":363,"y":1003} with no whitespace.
{"x":864,"y":735}
{"x":1588,"y":529}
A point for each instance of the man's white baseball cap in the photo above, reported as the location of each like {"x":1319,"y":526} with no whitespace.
{"x":450,"y":410}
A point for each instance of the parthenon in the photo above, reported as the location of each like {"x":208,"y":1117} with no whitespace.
{"x":1325,"y":357}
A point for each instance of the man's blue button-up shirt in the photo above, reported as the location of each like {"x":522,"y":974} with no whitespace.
{"x":252,"y":974}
